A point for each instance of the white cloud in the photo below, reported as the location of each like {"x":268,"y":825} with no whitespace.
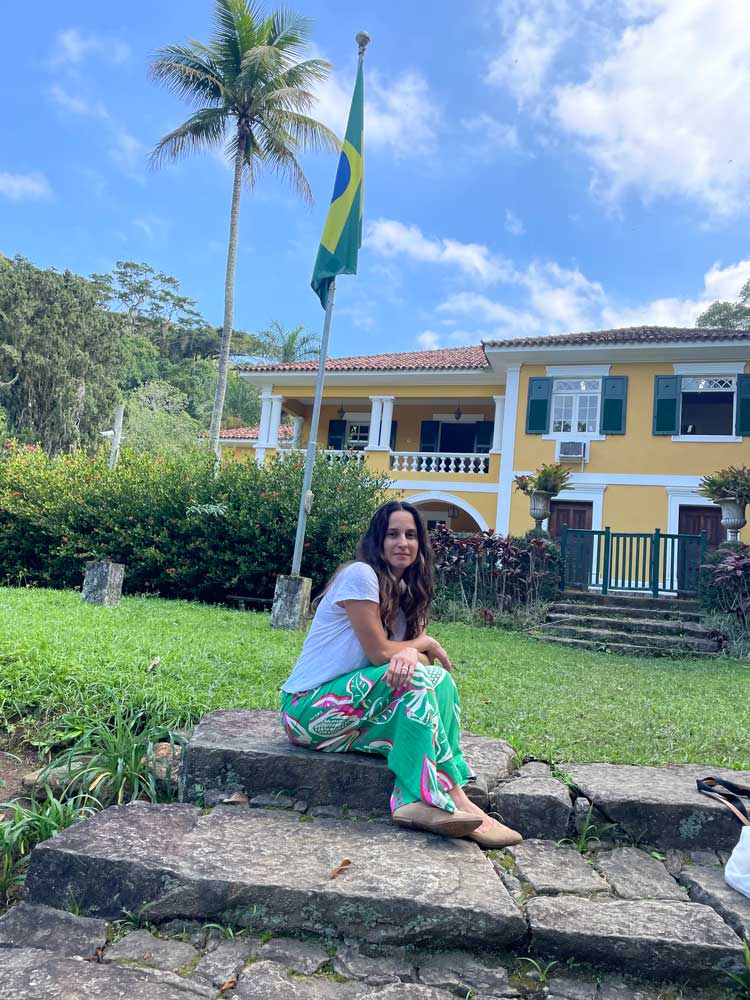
{"x":513,"y":224}
{"x":73,"y":47}
{"x":489,"y":312}
{"x":77,"y":105}
{"x":563,"y":298}
{"x":666,"y":113}
{"x":33,"y":186}
{"x":400,"y":116}
{"x":129,"y":154}
{"x":534,"y":32}
{"x":489,"y":136}
{"x":391,"y":238}
{"x":429,"y":340}
{"x":719,"y":284}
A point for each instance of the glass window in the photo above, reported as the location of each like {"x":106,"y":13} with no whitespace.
{"x":575,"y":405}
{"x":357,"y":436}
{"x":707,"y":406}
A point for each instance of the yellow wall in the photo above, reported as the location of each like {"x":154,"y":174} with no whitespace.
{"x":637,"y":450}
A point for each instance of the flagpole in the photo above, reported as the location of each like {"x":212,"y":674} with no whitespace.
{"x":306,"y":497}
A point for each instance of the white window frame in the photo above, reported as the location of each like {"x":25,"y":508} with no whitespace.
{"x":576,"y":435}
{"x":694,"y":375}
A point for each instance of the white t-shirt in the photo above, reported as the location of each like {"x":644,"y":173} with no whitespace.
{"x":331,"y":647}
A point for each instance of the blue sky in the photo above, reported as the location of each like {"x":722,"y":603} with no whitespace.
{"x":532,"y":166}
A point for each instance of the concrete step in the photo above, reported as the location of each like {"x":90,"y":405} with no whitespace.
{"x":633,"y":599}
{"x":626,"y":610}
{"x":248,"y":751}
{"x":605,"y":636}
{"x":643,"y":626}
{"x":271,"y":869}
{"x":630,"y":648}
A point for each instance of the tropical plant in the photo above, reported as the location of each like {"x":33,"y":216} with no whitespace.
{"x":548,"y":478}
{"x":114,"y":758}
{"x":285,"y":346}
{"x":728,"y":315}
{"x":732,"y":483}
{"x":251,"y":95}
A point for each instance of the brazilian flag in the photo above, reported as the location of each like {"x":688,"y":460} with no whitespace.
{"x":342,"y":235}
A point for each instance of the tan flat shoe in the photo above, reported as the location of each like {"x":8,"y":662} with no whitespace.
{"x":498,"y":836}
{"x":418,"y":816}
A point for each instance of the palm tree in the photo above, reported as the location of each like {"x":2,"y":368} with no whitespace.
{"x":283,"y":346}
{"x":250,"y":94}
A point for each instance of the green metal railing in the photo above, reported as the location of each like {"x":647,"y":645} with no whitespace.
{"x":638,"y":561}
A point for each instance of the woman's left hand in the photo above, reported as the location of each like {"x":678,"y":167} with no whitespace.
{"x":401,"y":668}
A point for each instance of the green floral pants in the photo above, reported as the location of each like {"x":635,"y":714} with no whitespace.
{"x":416,"y":728}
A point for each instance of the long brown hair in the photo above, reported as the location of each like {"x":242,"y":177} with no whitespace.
{"x":415,"y":596}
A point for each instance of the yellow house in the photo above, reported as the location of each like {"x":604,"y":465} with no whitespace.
{"x":637,"y":416}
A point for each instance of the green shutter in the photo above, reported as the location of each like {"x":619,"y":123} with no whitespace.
{"x":667,"y":404}
{"x":336,"y":435}
{"x":429,"y":435}
{"x":483,"y":436}
{"x":742,"y":428}
{"x":614,"y":404}
{"x":538,"y":407}
{"x":394,"y":427}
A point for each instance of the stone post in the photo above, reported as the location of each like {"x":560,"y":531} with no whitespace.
{"x":291,"y":602}
{"x":102,"y":584}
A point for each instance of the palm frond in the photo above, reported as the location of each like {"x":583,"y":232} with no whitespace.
{"x":289,"y":30}
{"x":239,"y":27}
{"x":306,"y":134}
{"x":277,"y":155}
{"x":205,"y":128}
{"x":304,"y":75}
{"x":189,"y":72}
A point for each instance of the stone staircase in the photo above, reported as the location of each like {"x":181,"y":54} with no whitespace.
{"x":323,"y":898}
{"x":634,"y":625}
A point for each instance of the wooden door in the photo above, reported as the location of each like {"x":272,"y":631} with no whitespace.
{"x":580,"y":549}
{"x":692,"y":521}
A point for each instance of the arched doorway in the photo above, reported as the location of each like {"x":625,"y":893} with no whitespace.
{"x":452,"y":511}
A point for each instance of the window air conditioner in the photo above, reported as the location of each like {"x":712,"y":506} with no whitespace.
{"x":572,"y":451}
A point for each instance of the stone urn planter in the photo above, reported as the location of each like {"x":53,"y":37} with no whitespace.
{"x":539,"y":507}
{"x":732,"y":518}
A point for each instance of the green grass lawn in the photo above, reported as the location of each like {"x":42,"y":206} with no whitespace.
{"x":57,"y":654}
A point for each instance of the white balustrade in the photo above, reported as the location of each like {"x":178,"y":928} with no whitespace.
{"x":330,"y":454}
{"x":425,"y":461}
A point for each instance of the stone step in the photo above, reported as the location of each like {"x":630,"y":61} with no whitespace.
{"x":673,"y":643}
{"x":643,"y":626}
{"x":619,"y":610}
{"x":273,"y":869}
{"x":660,"y":806}
{"x":632,"y":599}
{"x":630,"y":648}
{"x":247,"y":751}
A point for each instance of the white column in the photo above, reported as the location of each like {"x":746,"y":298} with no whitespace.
{"x":297,"y":424}
{"x":497,"y":430}
{"x":507,"y":448}
{"x":385,"y":424}
{"x":275,"y":420}
{"x":266,"y":399}
{"x":373,"y":442}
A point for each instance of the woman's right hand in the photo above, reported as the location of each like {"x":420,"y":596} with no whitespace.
{"x":435,"y":651}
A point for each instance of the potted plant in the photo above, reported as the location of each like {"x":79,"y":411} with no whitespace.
{"x":730,"y":490}
{"x":541,"y":487}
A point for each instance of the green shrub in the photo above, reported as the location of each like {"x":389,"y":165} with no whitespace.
{"x":483,"y":576}
{"x":717,"y":594}
{"x":180,"y":529}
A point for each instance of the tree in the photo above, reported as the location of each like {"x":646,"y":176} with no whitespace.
{"x":728,"y":315}
{"x":250,"y":93}
{"x":157,"y":421}
{"x":278,"y":344}
{"x":60,"y":351}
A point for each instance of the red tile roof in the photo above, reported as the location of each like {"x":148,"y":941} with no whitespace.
{"x":251,"y":433}
{"x":449,"y":358}
{"x":629,"y":335}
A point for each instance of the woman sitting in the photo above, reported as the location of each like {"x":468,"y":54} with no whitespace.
{"x":366,"y":680}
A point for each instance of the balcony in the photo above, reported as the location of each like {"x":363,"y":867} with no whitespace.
{"x":432,"y":462}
